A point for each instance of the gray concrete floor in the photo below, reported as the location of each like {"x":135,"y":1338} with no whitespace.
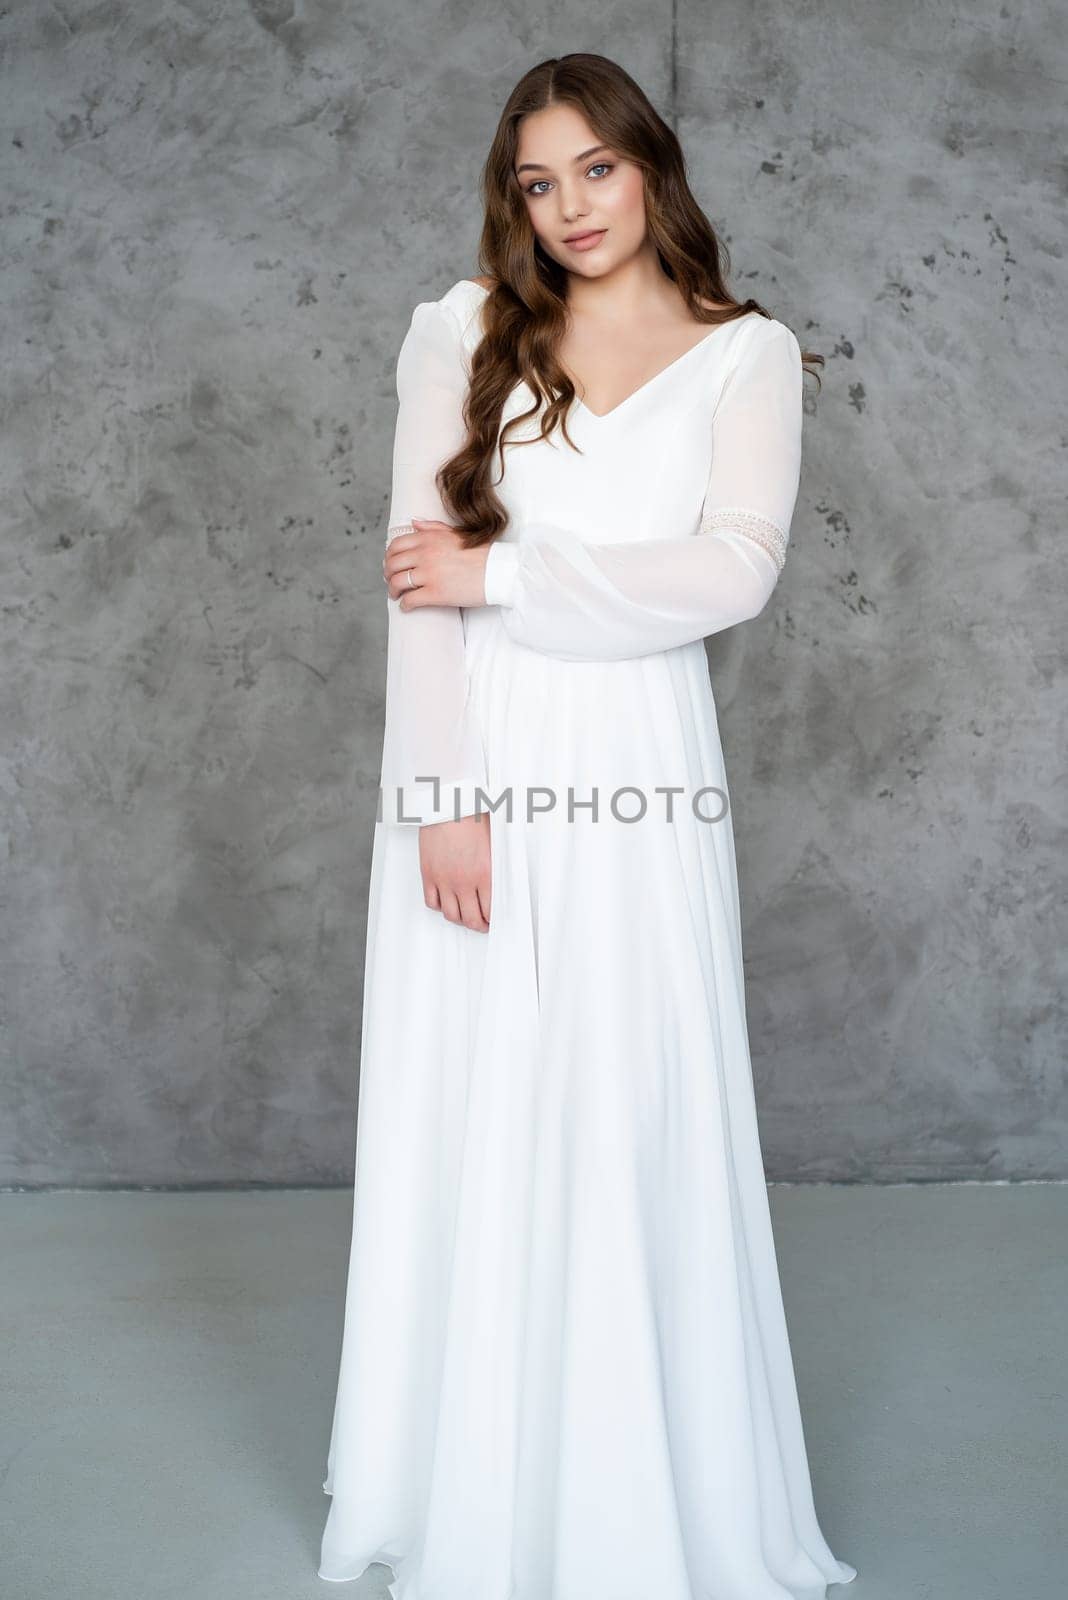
{"x":169,"y":1362}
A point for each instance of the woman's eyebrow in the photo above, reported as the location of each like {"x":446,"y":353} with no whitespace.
{"x":536,"y":166}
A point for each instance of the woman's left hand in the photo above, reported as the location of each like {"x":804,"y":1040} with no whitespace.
{"x":445,"y":569}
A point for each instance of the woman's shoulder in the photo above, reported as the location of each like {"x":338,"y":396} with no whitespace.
{"x":462,"y":305}
{"x":468,"y":289}
{"x":757,"y":331}
{"x":465,"y":293}
{"x":458,"y":301}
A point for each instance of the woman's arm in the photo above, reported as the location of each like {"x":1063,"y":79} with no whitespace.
{"x":430,"y":731}
{"x":603,"y":602}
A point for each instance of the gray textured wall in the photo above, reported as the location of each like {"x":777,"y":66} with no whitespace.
{"x":216,"y":219}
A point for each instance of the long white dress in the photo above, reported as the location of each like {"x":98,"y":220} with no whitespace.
{"x":565,"y":1369}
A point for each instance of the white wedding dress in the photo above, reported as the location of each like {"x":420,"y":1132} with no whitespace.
{"x":565,"y":1369}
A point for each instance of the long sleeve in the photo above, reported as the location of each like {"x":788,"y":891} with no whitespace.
{"x":430,"y":732}
{"x":600,"y":602}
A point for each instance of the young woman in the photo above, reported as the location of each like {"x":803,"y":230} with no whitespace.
{"x":565,"y":1371}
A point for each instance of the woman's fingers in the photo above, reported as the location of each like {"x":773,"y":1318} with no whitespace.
{"x":410,"y":571}
{"x":462,"y":906}
{"x":404,"y":551}
{"x":473,"y":914}
{"x":401,"y":584}
{"x":465,"y":904}
{"x":450,"y":908}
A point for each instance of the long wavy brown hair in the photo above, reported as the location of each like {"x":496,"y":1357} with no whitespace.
{"x":524,"y":314}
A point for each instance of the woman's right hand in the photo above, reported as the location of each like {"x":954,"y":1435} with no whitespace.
{"x":454,"y":859}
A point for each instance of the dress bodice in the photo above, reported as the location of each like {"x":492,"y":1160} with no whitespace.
{"x":644,"y":465}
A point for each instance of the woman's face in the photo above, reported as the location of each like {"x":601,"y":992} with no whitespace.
{"x":573,"y":184}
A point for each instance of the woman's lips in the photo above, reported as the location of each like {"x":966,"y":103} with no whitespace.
{"x":586,"y":241}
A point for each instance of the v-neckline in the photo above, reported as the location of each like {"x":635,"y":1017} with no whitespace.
{"x":603,"y":416}
{"x":606,"y":416}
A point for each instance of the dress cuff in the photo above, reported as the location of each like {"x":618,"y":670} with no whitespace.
{"x":502,"y":567}
{"x":420,"y":803}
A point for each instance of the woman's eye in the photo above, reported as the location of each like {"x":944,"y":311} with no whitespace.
{"x":605,"y":164}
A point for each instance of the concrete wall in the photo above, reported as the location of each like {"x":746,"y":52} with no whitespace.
{"x":216,"y":219}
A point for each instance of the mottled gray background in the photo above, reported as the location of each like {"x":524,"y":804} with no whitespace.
{"x":216,"y":221}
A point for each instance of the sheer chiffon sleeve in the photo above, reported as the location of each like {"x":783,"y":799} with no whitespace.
{"x":432,"y":756}
{"x":599,"y":602}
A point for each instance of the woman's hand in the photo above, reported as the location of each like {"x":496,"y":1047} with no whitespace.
{"x":445,"y":569}
{"x":454,"y":859}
